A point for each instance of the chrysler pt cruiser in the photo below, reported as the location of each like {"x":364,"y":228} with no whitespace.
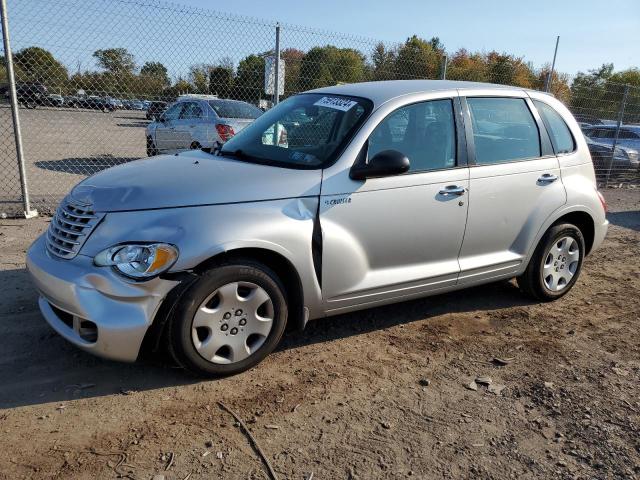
{"x":336,"y":200}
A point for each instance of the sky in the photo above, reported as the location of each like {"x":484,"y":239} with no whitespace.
{"x":592,"y":32}
{"x":183,"y":33}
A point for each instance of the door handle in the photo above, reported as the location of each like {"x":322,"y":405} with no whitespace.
{"x":547,"y":178}
{"x":452,"y":190}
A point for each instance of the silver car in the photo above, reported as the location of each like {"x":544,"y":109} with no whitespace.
{"x":198,"y":121}
{"x":369,"y":194}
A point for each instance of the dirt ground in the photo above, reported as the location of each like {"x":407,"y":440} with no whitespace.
{"x":376,"y":394}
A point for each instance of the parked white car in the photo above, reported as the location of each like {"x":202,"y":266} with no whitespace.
{"x":198,"y":121}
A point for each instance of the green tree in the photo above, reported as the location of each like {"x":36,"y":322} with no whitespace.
{"x":249,"y":81}
{"x":35,"y":64}
{"x":221,"y":81}
{"x":156,"y":71}
{"x":467,"y":66}
{"x":383,"y":63}
{"x":330,"y":65}
{"x":293,"y":63}
{"x":115,"y":60}
{"x":417,"y":58}
{"x":199,"y":77}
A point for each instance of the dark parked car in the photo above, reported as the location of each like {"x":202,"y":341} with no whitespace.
{"x":625,"y":158}
{"x":155,"y":110}
{"x":32,"y":94}
{"x":55,"y":100}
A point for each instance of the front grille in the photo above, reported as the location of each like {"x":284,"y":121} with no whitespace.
{"x":70,"y":227}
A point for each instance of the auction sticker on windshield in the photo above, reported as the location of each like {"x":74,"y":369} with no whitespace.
{"x":336,"y":102}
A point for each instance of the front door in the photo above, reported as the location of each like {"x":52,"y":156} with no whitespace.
{"x":515,"y":186}
{"x":399,"y":236}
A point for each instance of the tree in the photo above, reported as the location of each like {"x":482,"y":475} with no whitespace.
{"x":35,"y":64}
{"x":467,"y":66}
{"x":221,"y":81}
{"x":115,"y":60}
{"x":293,"y":63}
{"x":509,"y":70}
{"x":249,"y":81}
{"x":417,"y":58}
{"x":199,"y":77}
{"x":383,"y":63}
{"x":156,"y":71}
{"x":330,"y":65}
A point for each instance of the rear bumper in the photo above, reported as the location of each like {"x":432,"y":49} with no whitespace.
{"x":75,"y":294}
{"x":599,"y":234}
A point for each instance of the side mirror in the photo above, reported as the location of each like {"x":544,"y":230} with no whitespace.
{"x":383,"y":164}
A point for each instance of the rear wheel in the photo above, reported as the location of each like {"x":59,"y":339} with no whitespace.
{"x":229,"y":320}
{"x":556,"y":263}
{"x":195,"y":146}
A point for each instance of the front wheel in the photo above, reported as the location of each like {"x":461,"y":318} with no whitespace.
{"x":556,"y":263}
{"x":229,"y":320}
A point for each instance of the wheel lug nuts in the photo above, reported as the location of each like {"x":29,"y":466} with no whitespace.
{"x":233,"y":331}
{"x":243,"y":321}
{"x":226,"y":316}
{"x":224,"y":327}
{"x":238,"y":312}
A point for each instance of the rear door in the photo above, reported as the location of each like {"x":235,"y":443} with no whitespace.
{"x":515,"y":184}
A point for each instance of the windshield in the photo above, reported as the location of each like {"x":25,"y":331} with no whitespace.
{"x":304,"y":131}
{"x":234,"y":109}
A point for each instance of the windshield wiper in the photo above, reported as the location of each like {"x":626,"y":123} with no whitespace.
{"x":239,"y":154}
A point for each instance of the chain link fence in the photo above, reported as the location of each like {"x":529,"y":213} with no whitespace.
{"x":92,"y":74}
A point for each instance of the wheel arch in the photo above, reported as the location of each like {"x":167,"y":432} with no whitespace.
{"x":281,"y":266}
{"x":585,"y":223}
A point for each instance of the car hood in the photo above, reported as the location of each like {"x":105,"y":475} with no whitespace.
{"x":189,"y":179}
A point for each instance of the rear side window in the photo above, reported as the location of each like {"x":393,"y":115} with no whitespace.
{"x":503,"y":130}
{"x":561,"y":137}
{"x":234,"y":109}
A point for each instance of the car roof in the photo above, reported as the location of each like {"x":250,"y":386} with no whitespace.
{"x":380,"y":92}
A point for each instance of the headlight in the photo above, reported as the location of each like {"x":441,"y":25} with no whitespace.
{"x":138,"y":260}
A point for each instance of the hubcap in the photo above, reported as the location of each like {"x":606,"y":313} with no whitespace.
{"x":232,"y":323}
{"x":561,"y":263}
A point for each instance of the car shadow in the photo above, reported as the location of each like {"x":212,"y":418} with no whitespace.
{"x":83,"y":165}
{"x":629,"y":219}
{"x":38,"y":366}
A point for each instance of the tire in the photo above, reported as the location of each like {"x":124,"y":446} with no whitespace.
{"x":553,"y":271}
{"x":152,"y":151}
{"x":195,"y":146}
{"x":208,"y":333}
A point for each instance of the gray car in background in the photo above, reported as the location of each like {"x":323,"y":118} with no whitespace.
{"x":335,"y":200}
{"x":629,"y":135}
{"x":198,"y":121}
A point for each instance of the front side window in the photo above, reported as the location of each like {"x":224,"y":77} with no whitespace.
{"x":425,"y":132}
{"x":503,"y":130}
{"x":561,"y":137}
{"x":304,"y":131}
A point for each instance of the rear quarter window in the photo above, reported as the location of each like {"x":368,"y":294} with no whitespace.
{"x":561,"y":137}
{"x":234,"y":109}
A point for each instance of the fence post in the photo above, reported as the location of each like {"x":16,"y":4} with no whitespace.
{"x":28,"y":212}
{"x":615,"y":138}
{"x":443,"y":70}
{"x":547,"y":87}
{"x":276,"y":75}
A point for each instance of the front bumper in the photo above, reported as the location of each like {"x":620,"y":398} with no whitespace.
{"x":75,"y":293}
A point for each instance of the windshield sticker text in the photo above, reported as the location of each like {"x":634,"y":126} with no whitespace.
{"x":336,"y":103}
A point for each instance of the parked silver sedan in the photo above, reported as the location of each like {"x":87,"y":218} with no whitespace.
{"x":336,"y":200}
{"x":197,"y":121}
